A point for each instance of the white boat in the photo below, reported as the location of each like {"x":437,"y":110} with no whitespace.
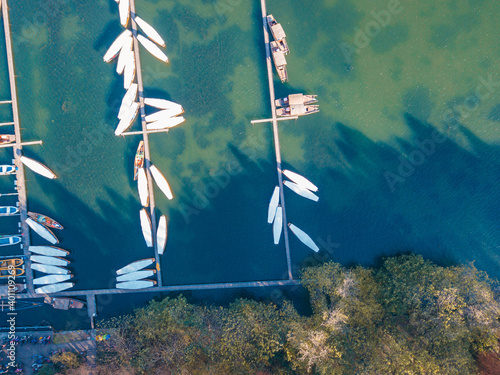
{"x":127,"y":121}
{"x":42,"y":231}
{"x":161,"y":103}
{"x":37,"y":167}
{"x":45,"y":268}
{"x":299,"y":180}
{"x":301,"y":191}
{"x":137,"y":275}
{"x":53,"y":288}
{"x":161,"y":235}
{"x":142,"y":186}
{"x":7,"y":169}
{"x":147,"y":231}
{"x":51,"y":279}
{"x":129,"y":72}
{"x":165,"y":114}
{"x":128,"y":99}
{"x":8,"y":210}
{"x":53,"y":261}
{"x":9,"y":240}
{"x":150,"y":32}
{"x":273,"y":204}
{"x":124,"y":10}
{"x":278,"y":225}
{"x":117,"y":45}
{"x":152,"y":48}
{"x":165,"y":124}
{"x":50,"y":251}
{"x":123,"y":57}
{"x":136,"y":284}
{"x":303,"y":237}
{"x":161,"y":181}
{"x":135,"y":266}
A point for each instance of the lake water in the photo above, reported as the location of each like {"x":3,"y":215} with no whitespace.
{"x":405,"y":149}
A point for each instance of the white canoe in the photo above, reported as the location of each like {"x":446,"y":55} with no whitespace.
{"x":273,"y":204}
{"x":301,"y":191}
{"x":152,"y":48}
{"x":278,"y":225}
{"x":165,"y":124}
{"x":8,"y":210}
{"x":124,"y":10}
{"x":48,"y":251}
{"x":53,"y":261}
{"x":161,"y":181}
{"x":51,"y":279}
{"x":42,"y":231}
{"x":303,"y":237}
{"x":161,"y":103}
{"x":127,"y":121}
{"x":299,"y":180}
{"x":135,"y":275}
{"x":37,"y":167}
{"x":161,"y":234}
{"x":129,"y":72}
{"x":137,"y":284}
{"x":135,"y":266}
{"x":150,"y":32}
{"x":53,"y":288}
{"x":7,"y":169}
{"x":9,"y":240}
{"x":117,"y":45}
{"x":123,"y":57}
{"x":142,"y":186}
{"x":128,"y":99}
{"x":165,"y":114}
{"x":45,"y":268}
{"x":147,"y":231}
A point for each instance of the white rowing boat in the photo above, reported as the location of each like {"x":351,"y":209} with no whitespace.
{"x":161,"y":181}
{"x":161,"y":234}
{"x":299,"y":180}
{"x":51,"y":279}
{"x":149,"y":30}
{"x":123,"y":57}
{"x":42,"y":231}
{"x":129,"y":72}
{"x":165,"y":114}
{"x":127,"y":121}
{"x":50,"y":251}
{"x":273,"y":205}
{"x":137,"y":284}
{"x":165,"y":124}
{"x":128,"y":99}
{"x":117,"y":45}
{"x":278,"y":225}
{"x":53,"y":261}
{"x":303,"y":237}
{"x":8,"y":210}
{"x":147,"y":230}
{"x":135,"y":266}
{"x":7,"y":169}
{"x":161,"y":103}
{"x":137,"y":275}
{"x":124,"y":10}
{"x":53,"y":288}
{"x":152,"y":48}
{"x":37,"y":167}
{"x":9,"y":240}
{"x":45,"y":268}
{"x":301,"y":191}
{"x":142,"y":187}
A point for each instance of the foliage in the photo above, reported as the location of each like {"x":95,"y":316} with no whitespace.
{"x":66,"y":360}
{"x":47,"y":369}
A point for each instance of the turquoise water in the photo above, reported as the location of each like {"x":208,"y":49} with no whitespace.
{"x":382,"y":96}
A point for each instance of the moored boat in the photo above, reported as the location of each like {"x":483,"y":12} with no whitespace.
{"x":161,"y":181}
{"x":293,"y":99}
{"x":124,"y":55}
{"x":149,"y":30}
{"x":273,"y":205}
{"x":297,"y":110}
{"x":161,"y":103}
{"x":279,"y":61}
{"x":7,"y":138}
{"x":9,"y":240}
{"x":64,"y":303}
{"x":152,"y":48}
{"x":42,"y":231}
{"x":303,"y":237}
{"x":136,"y":284}
{"x":165,"y":114}
{"x":147,"y":231}
{"x":129,"y":72}
{"x":142,"y":187}
{"x":137,"y":275}
{"x":278,"y":33}
{"x":165,"y":124}
{"x":53,"y":261}
{"x":300,"y":180}
{"x":301,"y":191}
{"x":117,"y":45}
{"x":45,"y":220}
{"x":278,"y":225}
{"x":126,"y":121}
{"x":46,"y":268}
{"x":11,"y":262}
{"x":139,"y":159}
{"x":161,"y":234}
{"x":7,"y":169}
{"x":48,"y":251}
{"x":51,"y":279}
{"x":54,"y":288}
{"x":135,"y":266}
{"x":16,"y":272}
{"x":8,"y":210}
{"x":38,"y":167}
{"x":124,"y":10}
{"x":128,"y":99}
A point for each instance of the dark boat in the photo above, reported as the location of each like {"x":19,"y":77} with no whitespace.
{"x":45,"y":220}
{"x":64,"y":303}
{"x":139,"y":159}
{"x":7,"y":138}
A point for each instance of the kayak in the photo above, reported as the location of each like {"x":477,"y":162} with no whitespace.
{"x":278,"y":225}
{"x":135,"y":266}
{"x":137,"y":275}
{"x":42,"y":231}
{"x":45,"y":220}
{"x":303,"y":237}
{"x":161,"y":181}
{"x":161,"y":235}
{"x":299,"y":180}
{"x":147,"y":231}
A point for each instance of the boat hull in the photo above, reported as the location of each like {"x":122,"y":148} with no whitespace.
{"x":303,"y":237}
{"x":161,"y":234}
{"x":278,"y":225}
{"x":161,"y":181}
{"x":42,"y":231}
{"x":135,"y":266}
{"x":7,"y":138}
{"x":300,"y":180}
{"x":273,"y":205}
{"x":45,"y":220}
{"x":152,"y":48}
{"x":50,"y":251}
{"x":8,"y":210}
{"x":139,"y":159}
{"x":38,"y":167}
{"x":45,"y":268}
{"x":301,"y":191}
{"x":53,"y":261}
{"x":142,"y":187}
{"x":137,"y":284}
{"x":147,"y":231}
{"x":54,"y":288}
{"x":9,"y":240}
{"x":149,"y":31}
{"x":51,"y":279}
{"x":161,"y":103}
{"x":7,"y":169}
{"x":138,"y":275}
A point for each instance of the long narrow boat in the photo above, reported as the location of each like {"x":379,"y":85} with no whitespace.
{"x":303,"y":237}
{"x":124,"y":55}
{"x":293,"y":99}
{"x":152,"y":48}
{"x":38,"y":167}
{"x":7,"y":138}
{"x":51,"y":279}
{"x":129,"y":72}
{"x":301,"y":191}
{"x":50,"y":251}
{"x":139,"y":159}
{"x":42,"y":231}
{"x":278,"y":225}
{"x":7,"y":169}
{"x":53,"y":261}
{"x":8,"y":210}
{"x":161,"y":103}
{"x":45,"y":220}
{"x":137,"y":284}
{"x":278,"y":34}
{"x":9,"y":240}
{"x":161,"y":181}
{"x":279,"y":61}
{"x":131,"y":276}
{"x":165,"y":114}
{"x":126,"y":122}
{"x":54,"y":288}
{"x":273,"y":205}
{"x":165,"y":124}
{"x":142,"y":187}
{"x":300,"y":180}
{"x":12,"y":272}
{"x":135,"y":266}
{"x":150,"y":32}
{"x":127,"y":100}
{"x":11,"y":262}
{"x":45,"y":268}
{"x":147,"y":230}
{"x":161,"y":234}
{"x":117,"y":45}
{"x":124,"y":10}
